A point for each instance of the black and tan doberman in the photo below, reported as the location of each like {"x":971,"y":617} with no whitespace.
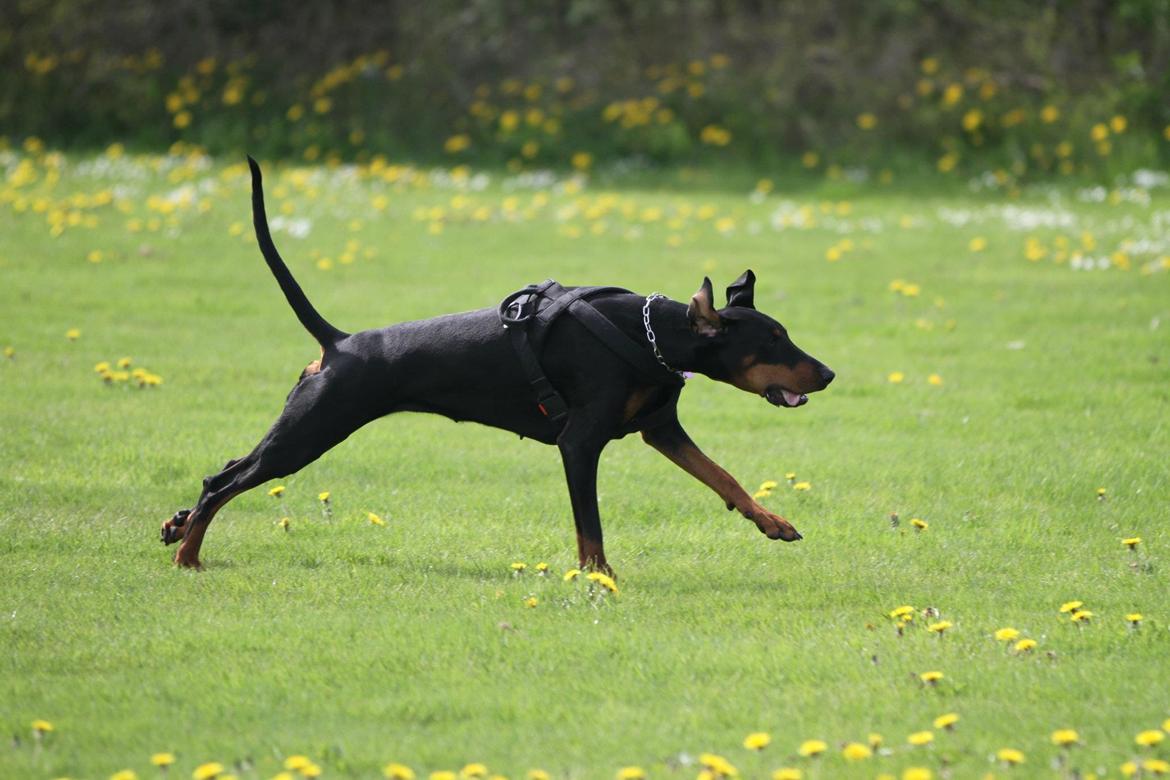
{"x":611,"y":365}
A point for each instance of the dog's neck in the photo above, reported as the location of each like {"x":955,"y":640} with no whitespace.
{"x":681,"y":347}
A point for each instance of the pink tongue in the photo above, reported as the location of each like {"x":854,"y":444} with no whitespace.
{"x":792,"y":399}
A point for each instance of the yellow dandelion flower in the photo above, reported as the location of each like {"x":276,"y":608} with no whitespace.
{"x":1071,"y":606}
{"x":531,"y":602}
{"x":717,"y":764}
{"x":571,"y":575}
{"x":538,"y":774}
{"x":284,"y":523}
{"x":1007,"y":635}
{"x":398,"y":772}
{"x":604,"y":580}
{"x":323,"y":496}
{"x":856,"y":751}
{"x":1081,"y":616}
{"x":935,"y":380}
{"x":770,"y":484}
{"x":1129,"y":769}
{"x":541,"y":568}
{"x":917,"y":773}
{"x":125,"y":774}
{"x":802,"y":486}
{"x":1156,"y":766}
{"x":162,"y":759}
{"x":1135,"y":618}
{"x":929,"y":65}
{"x":788,"y":773}
{"x":947,"y":721}
{"x":919,"y":523}
{"x":757,"y":740}
{"x":42,"y":727}
{"x":875,"y":740}
{"x":896,"y":377}
{"x":939,"y":627}
{"x":1065,"y":737}
{"x":812,"y":747}
{"x":473,"y":771}
{"x":73,"y":334}
{"x":277,"y":491}
{"x":977,"y":244}
{"x":1010,"y":756}
{"x":322,"y":105}
{"x":919,"y":738}
{"x":208,"y":771}
{"x":972,"y":120}
{"x":582,"y":161}
{"x":374,"y":519}
{"x":931,"y":678}
{"x":866,"y":121}
{"x":1049,"y":114}
{"x":443,"y":774}
{"x":519,"y":566}
{"x":1132,"y":542}
{"x":9,"y":352}
{"x":297,"y":763}
{"x":1149,"y":738}
{"x":1118,"y":124}
{"x":457,"y":143}
{"x":631,"y":773}
{"x":1099,"y":132}
{"x":810,"y":159}
{"x":902,"y":612}
{"x":1025,"y":645}
{"x":295,"y":112}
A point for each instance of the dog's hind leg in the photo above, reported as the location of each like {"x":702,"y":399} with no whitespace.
{"x":317,"y":417}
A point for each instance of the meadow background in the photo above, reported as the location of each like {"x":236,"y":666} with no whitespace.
{"x":982,"y":586}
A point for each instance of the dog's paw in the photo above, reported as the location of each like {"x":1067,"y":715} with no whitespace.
{"x":187,"y":561}
{"x":773,"y":526}
{"x":173,"y":529}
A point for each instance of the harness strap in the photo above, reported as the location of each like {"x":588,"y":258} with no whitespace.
{"x":517,"y":313}
{"x":621,"y":344}
{"x":548,"y":400}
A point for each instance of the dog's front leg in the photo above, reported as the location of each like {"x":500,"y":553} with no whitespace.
{"x":672,"y":441}
{"x":580,"y":452}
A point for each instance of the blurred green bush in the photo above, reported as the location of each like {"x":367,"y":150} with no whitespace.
{"x":1010,"y":86}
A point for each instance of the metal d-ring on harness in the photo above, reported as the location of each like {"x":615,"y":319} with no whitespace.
{"x":527,"y":313}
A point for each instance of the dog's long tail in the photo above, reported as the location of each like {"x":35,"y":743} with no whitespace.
{"x":326,"y":334}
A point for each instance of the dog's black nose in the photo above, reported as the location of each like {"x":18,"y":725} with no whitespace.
{"x":827,"y":375}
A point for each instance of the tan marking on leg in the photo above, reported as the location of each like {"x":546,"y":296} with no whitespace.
{"x":638,"y":398}
{"x":591,"y":556}
{"x":692,"y":460}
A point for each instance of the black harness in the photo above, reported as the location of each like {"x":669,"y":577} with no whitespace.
{"x":527,"y":314}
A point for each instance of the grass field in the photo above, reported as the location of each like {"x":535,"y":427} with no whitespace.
{"x":1039,"y":444}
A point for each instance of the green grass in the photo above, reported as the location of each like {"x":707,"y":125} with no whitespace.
{"x":358,"y":645}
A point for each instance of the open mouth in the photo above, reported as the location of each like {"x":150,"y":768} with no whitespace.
{"x":778,"y":396}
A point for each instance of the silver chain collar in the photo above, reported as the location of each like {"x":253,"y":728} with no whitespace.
{"x":652,"y":338}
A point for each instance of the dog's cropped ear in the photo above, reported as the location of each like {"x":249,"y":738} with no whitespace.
{"x":701,"y":311}
{"x":742,"y":291}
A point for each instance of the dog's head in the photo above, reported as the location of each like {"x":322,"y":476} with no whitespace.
{"x":750,"y":350}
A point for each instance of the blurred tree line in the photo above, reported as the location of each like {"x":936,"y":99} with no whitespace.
{"x":573,"y":81}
